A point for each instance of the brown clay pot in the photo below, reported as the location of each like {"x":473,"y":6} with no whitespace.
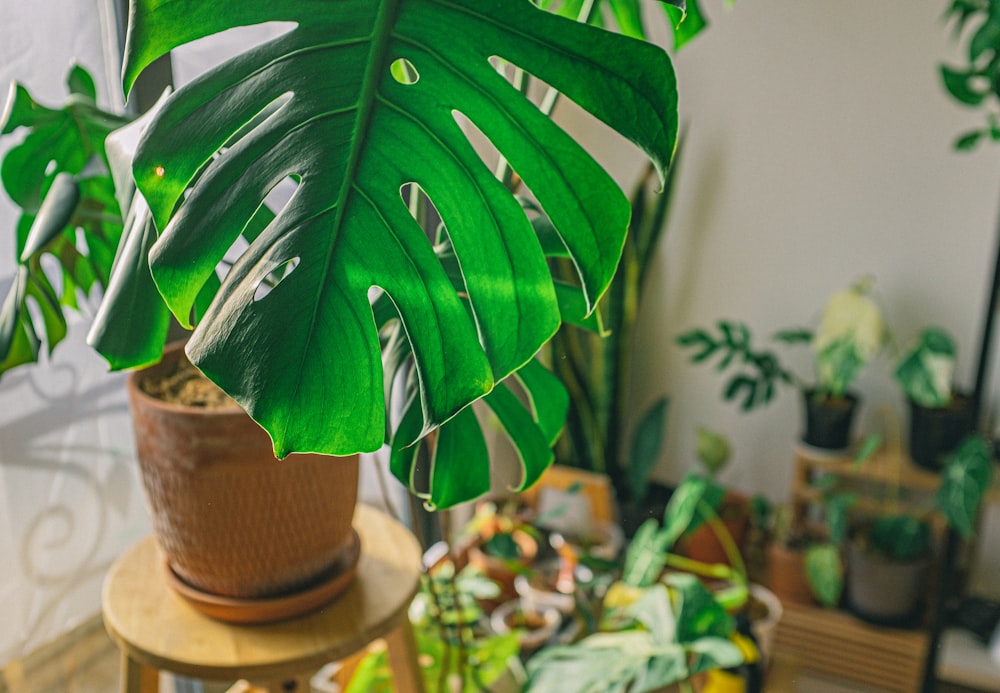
{"x":786,"y":574}
{"x":703,"y":545}
{"x":231,"y":519}
{"x":501,"y":571}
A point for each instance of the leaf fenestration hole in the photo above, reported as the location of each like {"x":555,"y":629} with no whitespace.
{"x":275,"y":277}
{"x":404,"y":72}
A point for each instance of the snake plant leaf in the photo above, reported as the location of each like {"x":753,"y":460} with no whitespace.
{"x":644,"y":450}
{"x":352,"y":131}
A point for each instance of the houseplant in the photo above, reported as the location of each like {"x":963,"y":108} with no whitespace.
{"x":294,"y":331}
{"x":700,"y":542}
{"x":940,"y":417}
{"x":655,"y":629}
{"x":457,"y":652}
{"x":895,"y":542}
{"x":459,"y":321}
{"x":851,"y":332}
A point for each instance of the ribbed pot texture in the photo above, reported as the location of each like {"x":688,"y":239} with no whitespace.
{"x":231,"y":519}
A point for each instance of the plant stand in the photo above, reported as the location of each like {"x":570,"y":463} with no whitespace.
{"x":155,"y":629}
{"x":835,"y":642}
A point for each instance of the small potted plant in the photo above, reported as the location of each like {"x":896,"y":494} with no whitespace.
{"x":656,"y":628}
{"x":940,"y":416}
{"x":501,"y":544}
{"x":733,"y":508}
{"x":850,"y":334}
{"x":890,"y":552}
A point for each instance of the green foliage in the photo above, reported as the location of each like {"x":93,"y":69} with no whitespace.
{"x":57,"y":175}
{"x":647,"y":438}
{"x":351,"y":144}
{"x":595,"y":365}
{"x":712,"y":450}
{"x":900,"y":537}
{"x":925,"y":372}
{"x":849,"y":335}
{"x":975,"y":82}
{"x":757,"y":373}
{"x":445,"y":617}
{"x":825,"y":572}
{"x":966,"y":476}
{"x":667,"y":633}
{"x":401,"y":266}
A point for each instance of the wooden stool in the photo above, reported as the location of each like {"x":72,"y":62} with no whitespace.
{"x":155,"y":629}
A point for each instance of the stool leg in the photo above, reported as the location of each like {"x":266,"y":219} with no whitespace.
{"x":138,"y":678}
{"x":402,"y":648}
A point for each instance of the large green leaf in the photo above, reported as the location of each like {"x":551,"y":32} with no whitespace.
{"x":530,"y":407}
{"x":352,"y":131}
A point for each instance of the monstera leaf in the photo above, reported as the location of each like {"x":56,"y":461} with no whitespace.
{"x":359,"y":100}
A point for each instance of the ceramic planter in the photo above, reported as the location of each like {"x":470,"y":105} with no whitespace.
{"x":232,"y":520}
{"x":936,"y":432}
{"x":829,"y":420}
{"x":884,"y":591}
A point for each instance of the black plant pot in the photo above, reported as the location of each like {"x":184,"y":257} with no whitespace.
{"x":829,"y":420}
{"x":935,"y":433}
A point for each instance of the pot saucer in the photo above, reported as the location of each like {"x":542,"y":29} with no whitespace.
{"x":280,"y":607}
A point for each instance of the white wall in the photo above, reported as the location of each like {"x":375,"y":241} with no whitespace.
{"x":819,"y":150}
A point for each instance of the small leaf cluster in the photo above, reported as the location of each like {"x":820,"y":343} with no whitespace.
{"x":758,"y":371}
{"x":976,"y":82}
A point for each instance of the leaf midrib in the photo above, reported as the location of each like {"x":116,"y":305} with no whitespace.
{"x":380,"y":38}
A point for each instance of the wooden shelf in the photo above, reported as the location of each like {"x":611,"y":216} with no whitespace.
{"x":835,"y":643}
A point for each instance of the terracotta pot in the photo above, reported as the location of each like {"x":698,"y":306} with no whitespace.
{"x":786,"y":575}
{"x":703,"y":545}
{"x":230,"y":518}
{"x":504,"y":571}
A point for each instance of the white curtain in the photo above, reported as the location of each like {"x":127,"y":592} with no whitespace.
{"x":69,"y":500}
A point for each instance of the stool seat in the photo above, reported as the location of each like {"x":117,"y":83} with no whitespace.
{"x":155,"y":629}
